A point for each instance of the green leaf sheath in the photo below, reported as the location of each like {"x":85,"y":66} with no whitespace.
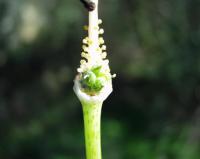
{"x":92,"y":126}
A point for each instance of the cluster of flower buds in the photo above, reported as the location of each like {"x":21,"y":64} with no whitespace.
{"x":95,"y":56}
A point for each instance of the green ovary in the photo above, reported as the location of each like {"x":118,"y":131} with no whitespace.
{"x":92,"y":81}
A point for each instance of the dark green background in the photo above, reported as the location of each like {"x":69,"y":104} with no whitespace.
{"x":153,"y":47}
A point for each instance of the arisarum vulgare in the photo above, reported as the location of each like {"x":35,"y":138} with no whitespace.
{"x":93,"y":83}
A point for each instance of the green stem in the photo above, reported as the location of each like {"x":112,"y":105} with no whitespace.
{"x":92,"y":125}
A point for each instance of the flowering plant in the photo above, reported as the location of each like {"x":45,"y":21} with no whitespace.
{"x":93,"y":84}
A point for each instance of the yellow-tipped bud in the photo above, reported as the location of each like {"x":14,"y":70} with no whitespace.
{"x":99,"y":21}
{"x":101,"y":40}
{"x":85,"y":48}
{"x":89,"y":42}
{"x":85,"y":41}
{"x":101,"y":31}
{"x":83,"y":62}
{"x":103,"y":47}
{"x":83,"y":54}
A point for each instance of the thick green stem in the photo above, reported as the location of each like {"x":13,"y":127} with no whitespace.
{"x":92,"y":125}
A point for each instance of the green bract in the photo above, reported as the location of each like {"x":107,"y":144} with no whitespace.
{"x":92,"y":81}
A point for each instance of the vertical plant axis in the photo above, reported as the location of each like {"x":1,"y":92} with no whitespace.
{"x":93,"y":83}
{"x":92,"y":124}
{"x":93,"y":29}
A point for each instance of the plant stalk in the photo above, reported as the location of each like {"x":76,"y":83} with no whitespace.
{"x":92,"y":126}
{"x":92,"y":102}
{"x":93,"y":32}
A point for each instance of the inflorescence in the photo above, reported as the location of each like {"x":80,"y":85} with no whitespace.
{"x":94,"y":69}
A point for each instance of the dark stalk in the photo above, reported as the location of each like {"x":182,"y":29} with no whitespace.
{"x":89,"y":5}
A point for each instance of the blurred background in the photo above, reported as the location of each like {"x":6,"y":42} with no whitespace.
{"x":153,"y":47}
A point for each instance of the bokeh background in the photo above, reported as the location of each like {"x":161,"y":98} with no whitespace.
{"x":153,"y":47}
